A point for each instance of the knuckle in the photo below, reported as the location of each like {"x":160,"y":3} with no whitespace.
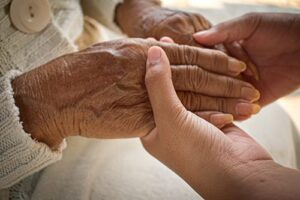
{"x":195,"y":78}
{"x":195,"y":102}
{"x":229,"y":87}
{"x":180,"y":95}
{"x":186,"y":99}
{"x":221,"y":105}
{"x":250,"y":15}
{"x":201,"y":79}
{"x":191,"y":101}
{"x":251,"y":19}
{"x":219,"y":59}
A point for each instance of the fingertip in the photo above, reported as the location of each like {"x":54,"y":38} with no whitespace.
{"x":154,"y":56}
{"x":201,"y":35}
{"x":247,"y":109}
{"x":206,"y":37}
{"x":216,"y":118}
{"x":158,"y":81}
{"x":235,"y":66}
{"x":250,"y":93}
{"x":221,"y":120}
{"x":158,"y":68}
{"x":167,"y":39}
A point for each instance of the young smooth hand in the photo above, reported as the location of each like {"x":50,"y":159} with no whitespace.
{"x":218,"y":164}
{"x":271,"y":41}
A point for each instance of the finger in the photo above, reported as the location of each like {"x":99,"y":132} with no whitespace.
{"x":235,"y":133}
{"x":237,"y":51}
{"x":240,"y":110}
{"x":166,"y":39}
{"x":195,"y":79}
{"x":216,"y":118}
{"x":198,"y":23}
{"x":151,"y":39}
{"x":211,"y":60}
{"x":234,"y":30}
{"x":232,"y":129}
{"x":163,"y":97}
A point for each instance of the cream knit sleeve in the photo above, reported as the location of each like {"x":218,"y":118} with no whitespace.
{"x":20,"y":155}
{"x":103,"y":11}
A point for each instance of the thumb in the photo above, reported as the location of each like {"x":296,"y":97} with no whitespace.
{"x":162,"y":95}
{"x":236,"y":29}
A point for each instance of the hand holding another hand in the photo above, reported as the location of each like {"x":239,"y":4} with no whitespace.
{"x":152,"y":20}
{"x":218,"y":164}
{"x":271,"y":40}
{"x":100,"y":92}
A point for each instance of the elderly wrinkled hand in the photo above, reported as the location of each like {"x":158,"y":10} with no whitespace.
{"x":100,"y":92}
{"x":158,"y":22}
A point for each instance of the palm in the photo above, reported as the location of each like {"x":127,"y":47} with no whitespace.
{"x":271,"y":60}
{"x":230,"y":143}
{"x":243,"y":146}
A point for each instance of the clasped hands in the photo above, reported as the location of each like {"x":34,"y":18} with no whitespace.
{"x":227,"y":163}
{"x":100,"y":92}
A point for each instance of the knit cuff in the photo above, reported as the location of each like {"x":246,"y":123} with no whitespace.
{"x":20,"y":155}
{"x":103,"y":11}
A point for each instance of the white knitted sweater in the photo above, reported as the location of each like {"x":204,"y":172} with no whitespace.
{"x":20,"y":156}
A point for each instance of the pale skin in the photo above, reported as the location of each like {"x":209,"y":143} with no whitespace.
{"x":224,"y":163}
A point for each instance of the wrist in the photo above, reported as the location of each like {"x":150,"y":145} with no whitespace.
{"x":264,"y":179}
{"x":39,"y":117}
{"x":137,"y":10}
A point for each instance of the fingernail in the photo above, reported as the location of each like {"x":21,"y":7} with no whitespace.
{"x":221,"y":119}
{"x":249,"y":93}
{"x":154,"y":55}
{"x":254,"y":71}
{"x":246,"y":109}
{"x":236,"y":66}
{"x":166,"y":39}
{"x":202,"y":33}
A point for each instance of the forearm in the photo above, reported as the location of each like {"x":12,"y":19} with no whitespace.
{"x":265,"y":180}
{"x":21,"y":156}
{"x":130,"y":15}
{"x":32,"y":114}
{"x":261,"y":179}
{"x":38,"y":98}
